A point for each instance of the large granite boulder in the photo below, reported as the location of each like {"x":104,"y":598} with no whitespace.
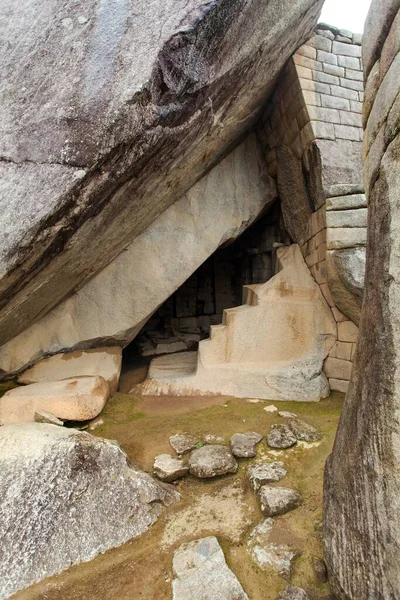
{"x":362,"y":477}
{"x":110,"y":112}
{"x":65,"y":497}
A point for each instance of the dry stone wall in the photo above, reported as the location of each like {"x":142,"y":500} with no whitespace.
{"x":311,"y":133}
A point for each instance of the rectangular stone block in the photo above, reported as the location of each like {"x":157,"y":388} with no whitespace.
{"x":312,"y":258}
{"x":307,"y":51}
{"x":338,"y":369}
{"x":356,"y":106}
{"x":327,"y":57}
{"x":341,"y":350}
{"x":335,"y":102}
{"x":323,"y":131}
{"x":333,"y":70}
{"x":338,"y":238}
{"x":347,"y":332}
{"x":339,"y":316}
{"x":344,"y":189}
{"x":328,"y":115}
{"x":349,"y":62}
{"x":309,"y":63}
{"x":347,"y":218}
{"x":304,"y":72}
{"x":315,"y":86}
{"x":321,"y":43}
{"x":346,"y":202}
{"x":341,"y":92}
{"x":322,"y":255}
{"x":346,"y":49}
{"x":327,"y":294}
{"x":312,"y":98}
{"x":325,"y":78}
{"x":358,"y":86}
{"x":353,"y":74}
{"x":346,"y":132}
{"x":353,"y":119}
{"x":339,"y":385}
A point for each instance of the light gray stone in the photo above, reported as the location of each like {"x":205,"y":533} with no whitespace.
{"x":41,"y":416}
{"x":292,"y":592}
{"x":303,"y":430}
{"x":346,"y":202}
{"x":340,"y":189}
{"x":286,"y":414}
{"x":212,"y":460}
{"x":66,"y":497}
{"x":377,"y":25}
{"x":267,"y":554}
{"x":347,"y":218}
{"x":267,"y":472}
{"x":201,"y":573}
{"x":184,"y":442}
{"x":342,"y":92}
{"x":346,"y":272}
{"x":348,"y":237}
{"x":349,"y":62}
{"x":278,"y":500}
{"x":243,"y":445}
{"x":280,"y":436}
{"x":352,"y":119}
{"x":168,"y":468}
{"x":346,"y":49}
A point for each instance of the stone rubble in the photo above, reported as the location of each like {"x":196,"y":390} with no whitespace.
{"x":268,"y":555}
{"x":260,"y":474}
{"x":184,"y":442}
{"x":280,"y":436}
{"x":243,"y":445}
{"x":212,"y":460}
{"x":278,"y":500}
{"x":168,"y":468}
{"x":303,"y":430}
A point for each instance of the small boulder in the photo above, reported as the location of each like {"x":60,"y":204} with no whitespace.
{"x":183,"y":442}
{"x":262,"y":473}
{"x":278,"y":500}
{"x":320,"y":570}
{"x":210,"y":461}
{"x":168,"y":468}
{"x":271,"y":408}
{"x":292,"y":592}
{"x":76,"y":399}
{"x":41,"y":416}
{"x":303,"y":430}
{"x":280,"y":436}
{"x":266,"y":553}
{"x":210,"y":438}
{"x":95,"y":424}
{"x":243,"y":445}
{"x":200,"y":572}
{"x":287,"y":415}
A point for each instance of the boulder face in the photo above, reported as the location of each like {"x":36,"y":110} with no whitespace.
{"x":67,"y":496}
{"x":98,"y":140}
{"x":361,"y":497}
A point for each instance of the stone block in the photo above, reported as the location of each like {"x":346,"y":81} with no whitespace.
{"x":315,"y":86}
{"x":323,"y":130}
{"x":356,"y":106}
{"x":342,"y":350}
{"x":346,"y":49}
{"x":319,"y":272}
{"x":322,"y":253}
{"x":326,"y":78}
{"x":349,"y":62}
{"x":341,"y":92}
{"x":361,"y":96}
{"x":327,"y":294}
{"x":338,"y":238}
{"x":346,"y":202}
{"x":351,"y":84}
{"x":329,"y":115}
{"x":312,"y":98}
{"x":344,"y":189}
{"x":303,"y":118}
{"x":321,"y":43}
{"x":304,"y":72}
{"x":327,"y":57}
{"x":338,"y":369}
{"x":333,"y":70}
{"x":339,"y":385}
{"x":312,"y":258}
{"x":335,"y":102}
{"x":309,"y":63}
{"x":347,"y":332}
{"x":327,"y":33}
{"x":354,"y":74}
{"x":351,"y":118}
{"x":339,"y":316}
{"x":346,"y":132}
{"x":307,"y":135}
{"x":307,"y":51}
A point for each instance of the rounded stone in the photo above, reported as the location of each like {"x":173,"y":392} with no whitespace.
{"x":210,"y":461}
{"x":278,"y":500}
{"x":280,"y":436}
{"x":243,"y":445}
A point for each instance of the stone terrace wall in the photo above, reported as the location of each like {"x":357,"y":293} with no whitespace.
{"x":312,"y":135}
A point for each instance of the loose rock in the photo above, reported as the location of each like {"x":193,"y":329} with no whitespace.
{"x":41,"y":416}
{"x":271,"y":408}
{"x":278,"y":500}
{"x":95,"y":424}
{"x":210,"y":438}
{"x":303,"y":430}
{"x":168,"y":468}
{"x":320,"y":570}
{"x":280,"y":436}
{"x":243,"y":445}
{"x":292,"y":593}
{"x":268,"y":555}
{"x":183,"y":442}
{"x":210,"y":461}
{"x":201,"y":573}
{"x":287,"y":414}
{"x":262,"y":473}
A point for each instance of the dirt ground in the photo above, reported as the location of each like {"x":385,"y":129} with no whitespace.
{"x":225,"y":507}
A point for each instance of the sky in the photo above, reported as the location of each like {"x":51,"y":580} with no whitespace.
{"x":346,"y":14}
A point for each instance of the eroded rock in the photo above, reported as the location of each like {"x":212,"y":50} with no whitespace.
{"x":41,"y":416}
{"x":267,"y":554}
{"x":183,"y":442}
{"x":262,"y":473}
{"x":243,"y":445}
{"x":168,"y":468}
{"x":280,"y":436}
{"x":303,"y":430}
{"x":212,"y":460}
{"x":278,"y":500}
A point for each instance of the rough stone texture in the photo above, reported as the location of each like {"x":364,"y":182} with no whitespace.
{"x":216,"y":209}
{"x":183,"y":442}
{"x":257,"y":352}
{"x":361,"y":497}
{"x":212,"y":460}
{"x":168,"y":468}
{"x":320,"y":571}
{"x":278,"y":500}
{"x":118,"y":128}
{"x":201,"y":573}
{"x":303,"y":430}
{"x":41,"y":416}
{"x":243,"y":445}
{"x":346,"y":271}
{"x":261,"y":473}
{"x":267,"y":554}
{"x":292,"y":592}
{"x":66,"y":497}
{"x":78,"y":399}
{"x":280,"y":436}
{"x":105,"y":362}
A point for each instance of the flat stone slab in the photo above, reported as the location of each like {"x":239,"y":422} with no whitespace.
{"x":262,"y":473}
{"x":280,"y":436}
{"x":278,"y":500}
{"x":168,"y":468}
{"x":303,"y":430}
{"x":267,"y":554}
{"x":183,"y":442}
{"x":201,"y":573}
{"x":212,"y":460}
{"x":243,"y":445}
{"x":75,"y":399}
{"x":292,"y":592}
{"x":41,"y":416}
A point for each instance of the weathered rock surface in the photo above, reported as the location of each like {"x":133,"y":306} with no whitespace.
{"x":346,"y":273}
{"x":41,"y":416}
{"x":146,"y":99}
{"x":278,"y":500}
{"x":212,"y":460}
{"x":105,"y":362}
{"x":266,"y":553}
{"x":168,"y":468}
{"x":66,"y":497}
{"x":292,"y":592}
{"x":243,"y":445}
{"x":320,"y":571}
{"x":77,"y":399}
{"x":361,"y":495}
{"x":303,"y":430}
{"x":183,"y":442}
{"x":280,"y":436}
{"x":261,"y":473}
{"x":201,"y":573}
